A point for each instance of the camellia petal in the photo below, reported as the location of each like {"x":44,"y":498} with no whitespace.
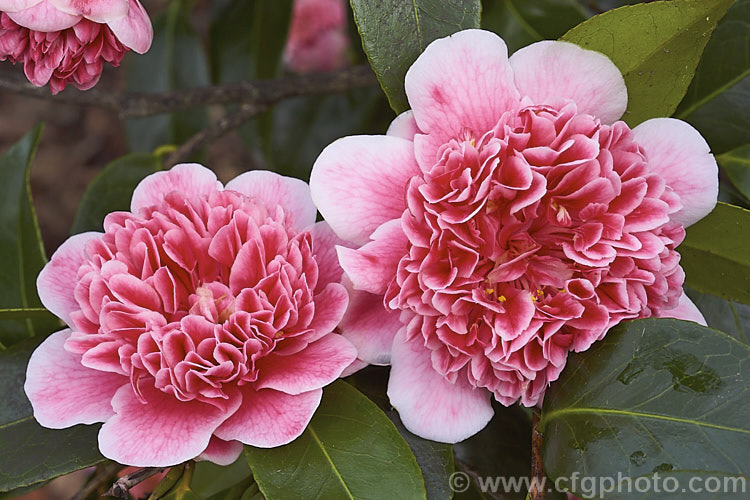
{"x":682,"y":157}
{"x":222,"y":452}
{"x":370,"y":327}
{"x":189,"y":178}
{"x":404,"y":126}
{"x":100,"y":11}
{"x":273,"y":190}
{"x":134,"y":30}
{"x":686,"y":309}
{"x":62,"y":391}
{"x":551,"y":72}
{"x":429,"y":405}
{"x":384,"y":165}
{"x":16,"y":5}
{"x":44,"y":17}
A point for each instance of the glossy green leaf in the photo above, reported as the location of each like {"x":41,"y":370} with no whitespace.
{"x":175,"y":61}
{"x":657,"y":47}
{"x":729,"y":317}
{"x":395,"y":32}
{"x":719,"y":96}
{"x":112,"y":189}
{"x":210,"y":479}
{"x":716,"y":253}
{"x":521,"y":22}
{"x":349,"y":450}
{"x":21,"y":249}
{"x":655,"y":396}
{"x":31,"y":454}
{"x":736,"y":164}
{"x":248,"y":38}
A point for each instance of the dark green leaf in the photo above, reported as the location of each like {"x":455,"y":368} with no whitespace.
{"x":349,"y":450}
{"x":656,"y":396}
{"x":32,"y":454}
{"x":248,"y":38}
{"x":657,"y":47}
{"x":717,"y":101}
{"x":521,"y":22}
{"x":731,"y":318}
{"x":716,"y":253}
{"x":395,"y":32}
{"x":112,"y":189}
{"x":176,"y":484}
{"x":176,"y":60}
{"x":21,"y":250}
{"x":736,"y":164}
{"x":210,"y":479}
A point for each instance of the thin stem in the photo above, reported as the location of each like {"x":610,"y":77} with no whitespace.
{"x":103,"y":475}
{"x":121,"y":487}
{"x":537,"y":467}
{"x":257,"y":93}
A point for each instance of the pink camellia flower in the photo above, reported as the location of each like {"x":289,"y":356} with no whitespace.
{"x":200,"y":320}
{"x":317,"y":39}
{"x":506,"y":220}
{"x":68,"y":41}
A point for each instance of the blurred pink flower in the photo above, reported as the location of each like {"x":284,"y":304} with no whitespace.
{"x":506,"y":220}
{"x":317,"y":38}
{"x":198,"y":321}
{"x":68,"y":41}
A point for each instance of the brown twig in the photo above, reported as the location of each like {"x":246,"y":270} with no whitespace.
{"x":101,"y":477}
{"x":257,"y":93}
{"x":214,"y":131}
{"x":537,"y":467}
{"x":121,"y":487}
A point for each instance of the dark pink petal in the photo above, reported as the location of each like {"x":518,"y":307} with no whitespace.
{"x":330,"y":306}
{"x":404,"y":126}
{"x":221,"y":452}
{"x":62,"y":391}
{"x":191,"y":179}
{"x":355,"y":201}
{"x":428,"y":404}
{"x":685,"y":309}
{"x":678,"y":152}
{"x":163,"y":431}
{"x":269,"y":418}
{"x":316,"y":366}
{"x":370,"y":327}
{"x":273,"y":190}
{"x":134,"y":30}
{"x":373,"y":266}
{"x":549,"y":72}
{"x":57,"y":280}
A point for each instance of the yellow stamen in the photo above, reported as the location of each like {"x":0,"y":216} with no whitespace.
{"x":490,"y":291}
{"x":502,"y":298}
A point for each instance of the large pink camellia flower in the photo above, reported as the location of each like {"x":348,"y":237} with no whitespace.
{"x":68,"y":41}
{"x":506,"y":220}
{"x":200,"y":320}
{"x":317,"y":38}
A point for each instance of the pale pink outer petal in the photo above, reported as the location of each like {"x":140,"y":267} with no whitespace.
{"x":134,"y":30}
{"x":44,"y":17}
{"x":678,"y":152}
{"x":374,"y":265}
{"x":100,"y":11}
{"x":353,"y":368}
{"x":370,"y":327}
{"x":549,"y":71}
{"x":686,"y":310}
{"x":16,"y":5}
{"x":273,"y":190}
{"x":459,"y":82}
{"x":404,"y":126}
{"x":221,"y":452}
{"x":188,"y":178}
{"x":324,"y":252}
{"x":57,"y":280}
{"x":62,"y":391}
{"x":359,"y":182}
{"x":164,"y":431}
{"x":429,"y":405}
{"x":316,"y":366}
{"x":269,"y":418}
